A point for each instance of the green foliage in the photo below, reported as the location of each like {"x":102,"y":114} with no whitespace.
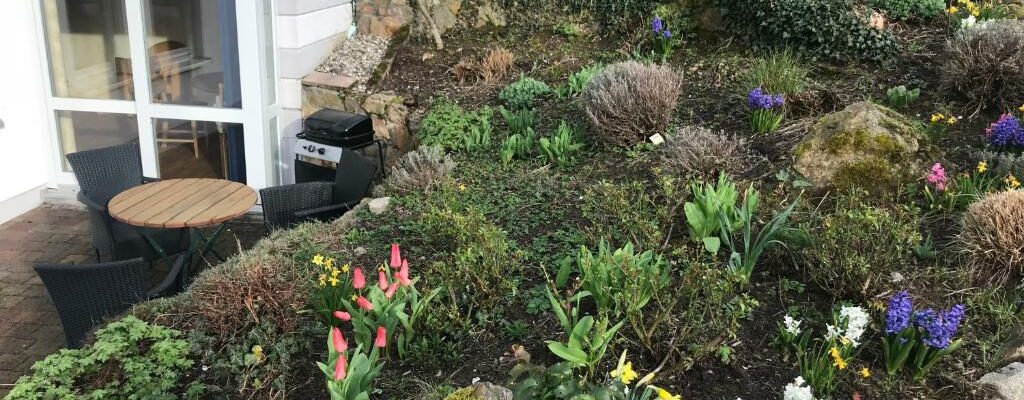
{"x":560,"y":149}
{"x":826,"y":29}
{"x":627,"y":213}
{"x":130,"y":359}
{"x":521,"y":94}
{"x":907,"y":9}
{"x":777,"y":72}
{"x":518,"y":146}
{"x":621,"y":282}
{"x":586,"y":343}
{"x":901,"y":97}
{"x":558,"y":381}
{"x":743,"y":260}
{"x":857,"y":246}
{"x":712,"y":204}
{"x":479,"y":136}
{"x":578,"y":81}
{"x":619,"y":16}
{"x":362,"y":369}
{"x":447,"y":125}
{"x":519,"y":122}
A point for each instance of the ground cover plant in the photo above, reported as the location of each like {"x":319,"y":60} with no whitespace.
{"x":596,"y":210}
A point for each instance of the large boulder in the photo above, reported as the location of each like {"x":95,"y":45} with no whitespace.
{"x":865,"y":145}
{"x":1008,"y":382}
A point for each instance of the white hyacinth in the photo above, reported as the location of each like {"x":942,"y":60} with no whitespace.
{"x":798,"y":390}
{"x":968,"y":22}
{"x":792,"y":325}
{"x":857,"y":321}
{"x":832,"y":332}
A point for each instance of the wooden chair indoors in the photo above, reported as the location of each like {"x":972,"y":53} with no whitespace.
{"x":168,"y":58}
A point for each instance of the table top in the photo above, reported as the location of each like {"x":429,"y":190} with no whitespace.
{"x":182,"y":203}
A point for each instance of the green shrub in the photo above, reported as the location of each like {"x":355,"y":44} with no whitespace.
{"x":778,"y":72}
{"x":578,"y":81}
{"x":827,"y":29}
{"x":521,"y":94}
{"x":447,"y":125}
{"x":130,"y":359}
{"x":901,"y":97}
{"x":907,"y":9}
{"x":857,"y":247}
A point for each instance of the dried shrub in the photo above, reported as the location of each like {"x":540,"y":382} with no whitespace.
{"x":418,"y":171}
{"x":699,"y":152}
{"x":992,"y":237}
{"x":630,"y":101}
{"x":985,"y":63}
{"x":496,"y":64}
{"x":464,"y":69}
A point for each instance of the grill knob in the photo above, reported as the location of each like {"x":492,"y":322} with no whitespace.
{"x":310,"y":148}
{"x":322,"y":151}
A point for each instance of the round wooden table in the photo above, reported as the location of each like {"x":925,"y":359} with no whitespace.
{"x":191,"y":203}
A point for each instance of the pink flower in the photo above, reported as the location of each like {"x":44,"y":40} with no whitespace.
{"x":358,"y":280}
{"x":341,"y":368}
{"x":396,"y":256}
{"x":364,"y":303}
{"x":382,"y":337}
{"x":937,"y":177}
{"x":344,"y":316}
{"x":382,"y":280}
{"x":403,"y":274}
{"x":340,"y":345}
{"x":391,"y":291}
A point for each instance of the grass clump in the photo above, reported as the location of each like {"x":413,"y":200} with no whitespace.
{"x":992,"y":237}
{"x":778,"y":72}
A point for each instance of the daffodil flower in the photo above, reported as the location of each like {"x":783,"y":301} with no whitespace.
{"x":865,"y":373}
{"x":318,"y":260}
{"x":982,"y":167}
{"x":837,"y":359}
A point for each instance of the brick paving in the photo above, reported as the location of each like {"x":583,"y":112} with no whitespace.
{"x":31,"y":329}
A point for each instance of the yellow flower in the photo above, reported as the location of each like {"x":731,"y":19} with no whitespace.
{"x":335,"y":272}
{"x":318,"y":259}
{"x":1021,"y":108}
{"x":865,"y":372}
{"x":665,"y":395}
{"x":329,"y":263}
{"x":837,"y":359}
{"x":937,"y":117}
{"x":952,"y":120}
{"x":625,"y":373}
{"x":952,"y":10}
{"x":323,"y":280}
{"x":647,"y":379}
{"x":354,"y":297}
{"x":462,"y":187}
{"x":982,"y":167}
{"x":345,"y":268}
{"x":334,"y":281}
{"x":1012,"y":182}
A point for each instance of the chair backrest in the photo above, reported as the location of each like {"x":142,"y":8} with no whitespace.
{"x":86,"y":295}
{"x":354,"y":177}
{"x":280,"y":203}
{"x":103,"y":173}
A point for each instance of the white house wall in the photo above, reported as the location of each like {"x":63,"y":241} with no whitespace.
{"x":24,"y":155}
{"x":307,"y":31}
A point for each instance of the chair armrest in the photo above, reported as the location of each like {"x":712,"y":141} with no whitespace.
{"x":147,"y":179}
{"x":326,"y":212}
{"x":161,"y":289}
{"x":82,"y":197}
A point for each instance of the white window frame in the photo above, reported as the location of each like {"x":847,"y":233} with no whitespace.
{"x":255,"y":115}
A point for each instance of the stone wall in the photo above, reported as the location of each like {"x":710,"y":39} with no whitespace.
{"x":386,"y":18}
{"x":390,"y":115}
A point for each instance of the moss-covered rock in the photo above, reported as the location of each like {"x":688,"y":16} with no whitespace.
{"x":865,"y":145}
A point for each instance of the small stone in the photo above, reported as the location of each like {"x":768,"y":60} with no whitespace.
{"x":1008,"y":381}
{"x":490,"y":391}
{"x":359,"y":251}
{"x":380,"y":205}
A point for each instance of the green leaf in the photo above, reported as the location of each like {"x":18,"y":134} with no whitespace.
{"x":712,"y":244}
{"x":573,"y":355}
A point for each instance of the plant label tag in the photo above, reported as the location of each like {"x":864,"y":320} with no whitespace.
{"x":657,"y":139}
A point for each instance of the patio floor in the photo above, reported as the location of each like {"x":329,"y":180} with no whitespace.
{"x":54,"y":234}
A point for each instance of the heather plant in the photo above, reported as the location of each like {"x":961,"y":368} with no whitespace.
{"x":901,"y":97}
{"x":991,"y":238}
{"x":984,"y":63}
{"x":629,"y":102}
{"x":766,"y":110}
{"x":521,"y":94}
{"x":918,"y":339}
{"x":561,"y":147}
{"x":418,"y":171}
{"x":698,"y":152}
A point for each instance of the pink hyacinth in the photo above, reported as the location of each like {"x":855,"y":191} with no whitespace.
{"x":937,"y":177}
{"x":344,"y":316}
{"x":396,"y":256}
{"x":341,"y":368}
{"x":358,"y":280}
{"x":363,"y":303}
{"x":382,"y":337}
{"x":382,"y":280}
{"x":340,"y":345}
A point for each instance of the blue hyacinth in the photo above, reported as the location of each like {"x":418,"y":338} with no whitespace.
{"x":939,"y":327}
{"x":757,"y":99}
{"x":657,"y":25}
{"x":668,"y":34}
{"x":1006,"y":131}
{"x":897,"y":315}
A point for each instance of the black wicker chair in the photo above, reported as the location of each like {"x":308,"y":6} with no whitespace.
{"x":285,"y":206}
{"x":102,"y":174}
{"x":86,"y":295}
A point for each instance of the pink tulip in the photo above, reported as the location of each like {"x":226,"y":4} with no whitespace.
{"x":340,"y":345}
{"x":403,"y":274}
{"x":382,"y":337}
{"x":341,"y":368}
{"x":344,"y":316}
{"x":382,"y":280}
{"x":363,"y":303}
{"x":396,"y":256}
{"x":358,"y":280}
{"x":391,"y":291}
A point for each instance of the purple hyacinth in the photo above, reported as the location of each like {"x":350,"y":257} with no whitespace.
{"x":1005,"y":131}
{"x":657,"y":25}
{"x":897,"y":315}
{"x":668,"y":34}
{"x":757,"y":99}
{"x":939,"y":328}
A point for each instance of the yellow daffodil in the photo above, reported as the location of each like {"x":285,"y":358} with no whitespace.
{"x":952,"y":10}
{"x":462,"y":187}
{"x":318,"y":260}
{"x":323,"y":280}
{"x":647,"y":379}
{"x":345,"y":268}
{"x":334,"y":281}
{"x":982,"y":167}
{"x":937,"y":117}
{"x":1012,"y":182}
{"x":354,"y":297}
{"x":624,"y":370}
{"x":665,"y":395}
{"x":329,"y":263}
{"x":865,"y":373}
{"x":1021,"y":108}
{"x":335,"y":272}
{"x":837,"y":359}
{"x":952,"y":120}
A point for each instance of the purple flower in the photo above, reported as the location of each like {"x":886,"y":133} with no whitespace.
{"x":939,"y":328}
{"x":657,"y":25}
{"x":668,"y":34}
{"x":897,"y":315}
{"x":1005,"y":131}
{"x":757,"y":99}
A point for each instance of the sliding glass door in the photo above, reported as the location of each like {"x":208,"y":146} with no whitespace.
{"x":167,"y":74}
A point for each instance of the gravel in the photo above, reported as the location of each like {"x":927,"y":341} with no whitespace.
{"x":356,"y":57}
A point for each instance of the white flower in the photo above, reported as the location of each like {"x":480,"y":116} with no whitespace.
{"x":792,"y":325}
{"x":798,"y":390}
{"x":968,"y":22}
{"x":856,"y":323}
{"x":832,"y":332}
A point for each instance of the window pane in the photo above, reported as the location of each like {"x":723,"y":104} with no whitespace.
{"x":269,"y":47}
{"x":86,"y":131}
{"x":193,"y":52}
{"x":200,"y":149}
{"x":87,"y":42}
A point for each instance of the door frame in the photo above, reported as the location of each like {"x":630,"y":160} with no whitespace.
{"x":259,"y":107}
